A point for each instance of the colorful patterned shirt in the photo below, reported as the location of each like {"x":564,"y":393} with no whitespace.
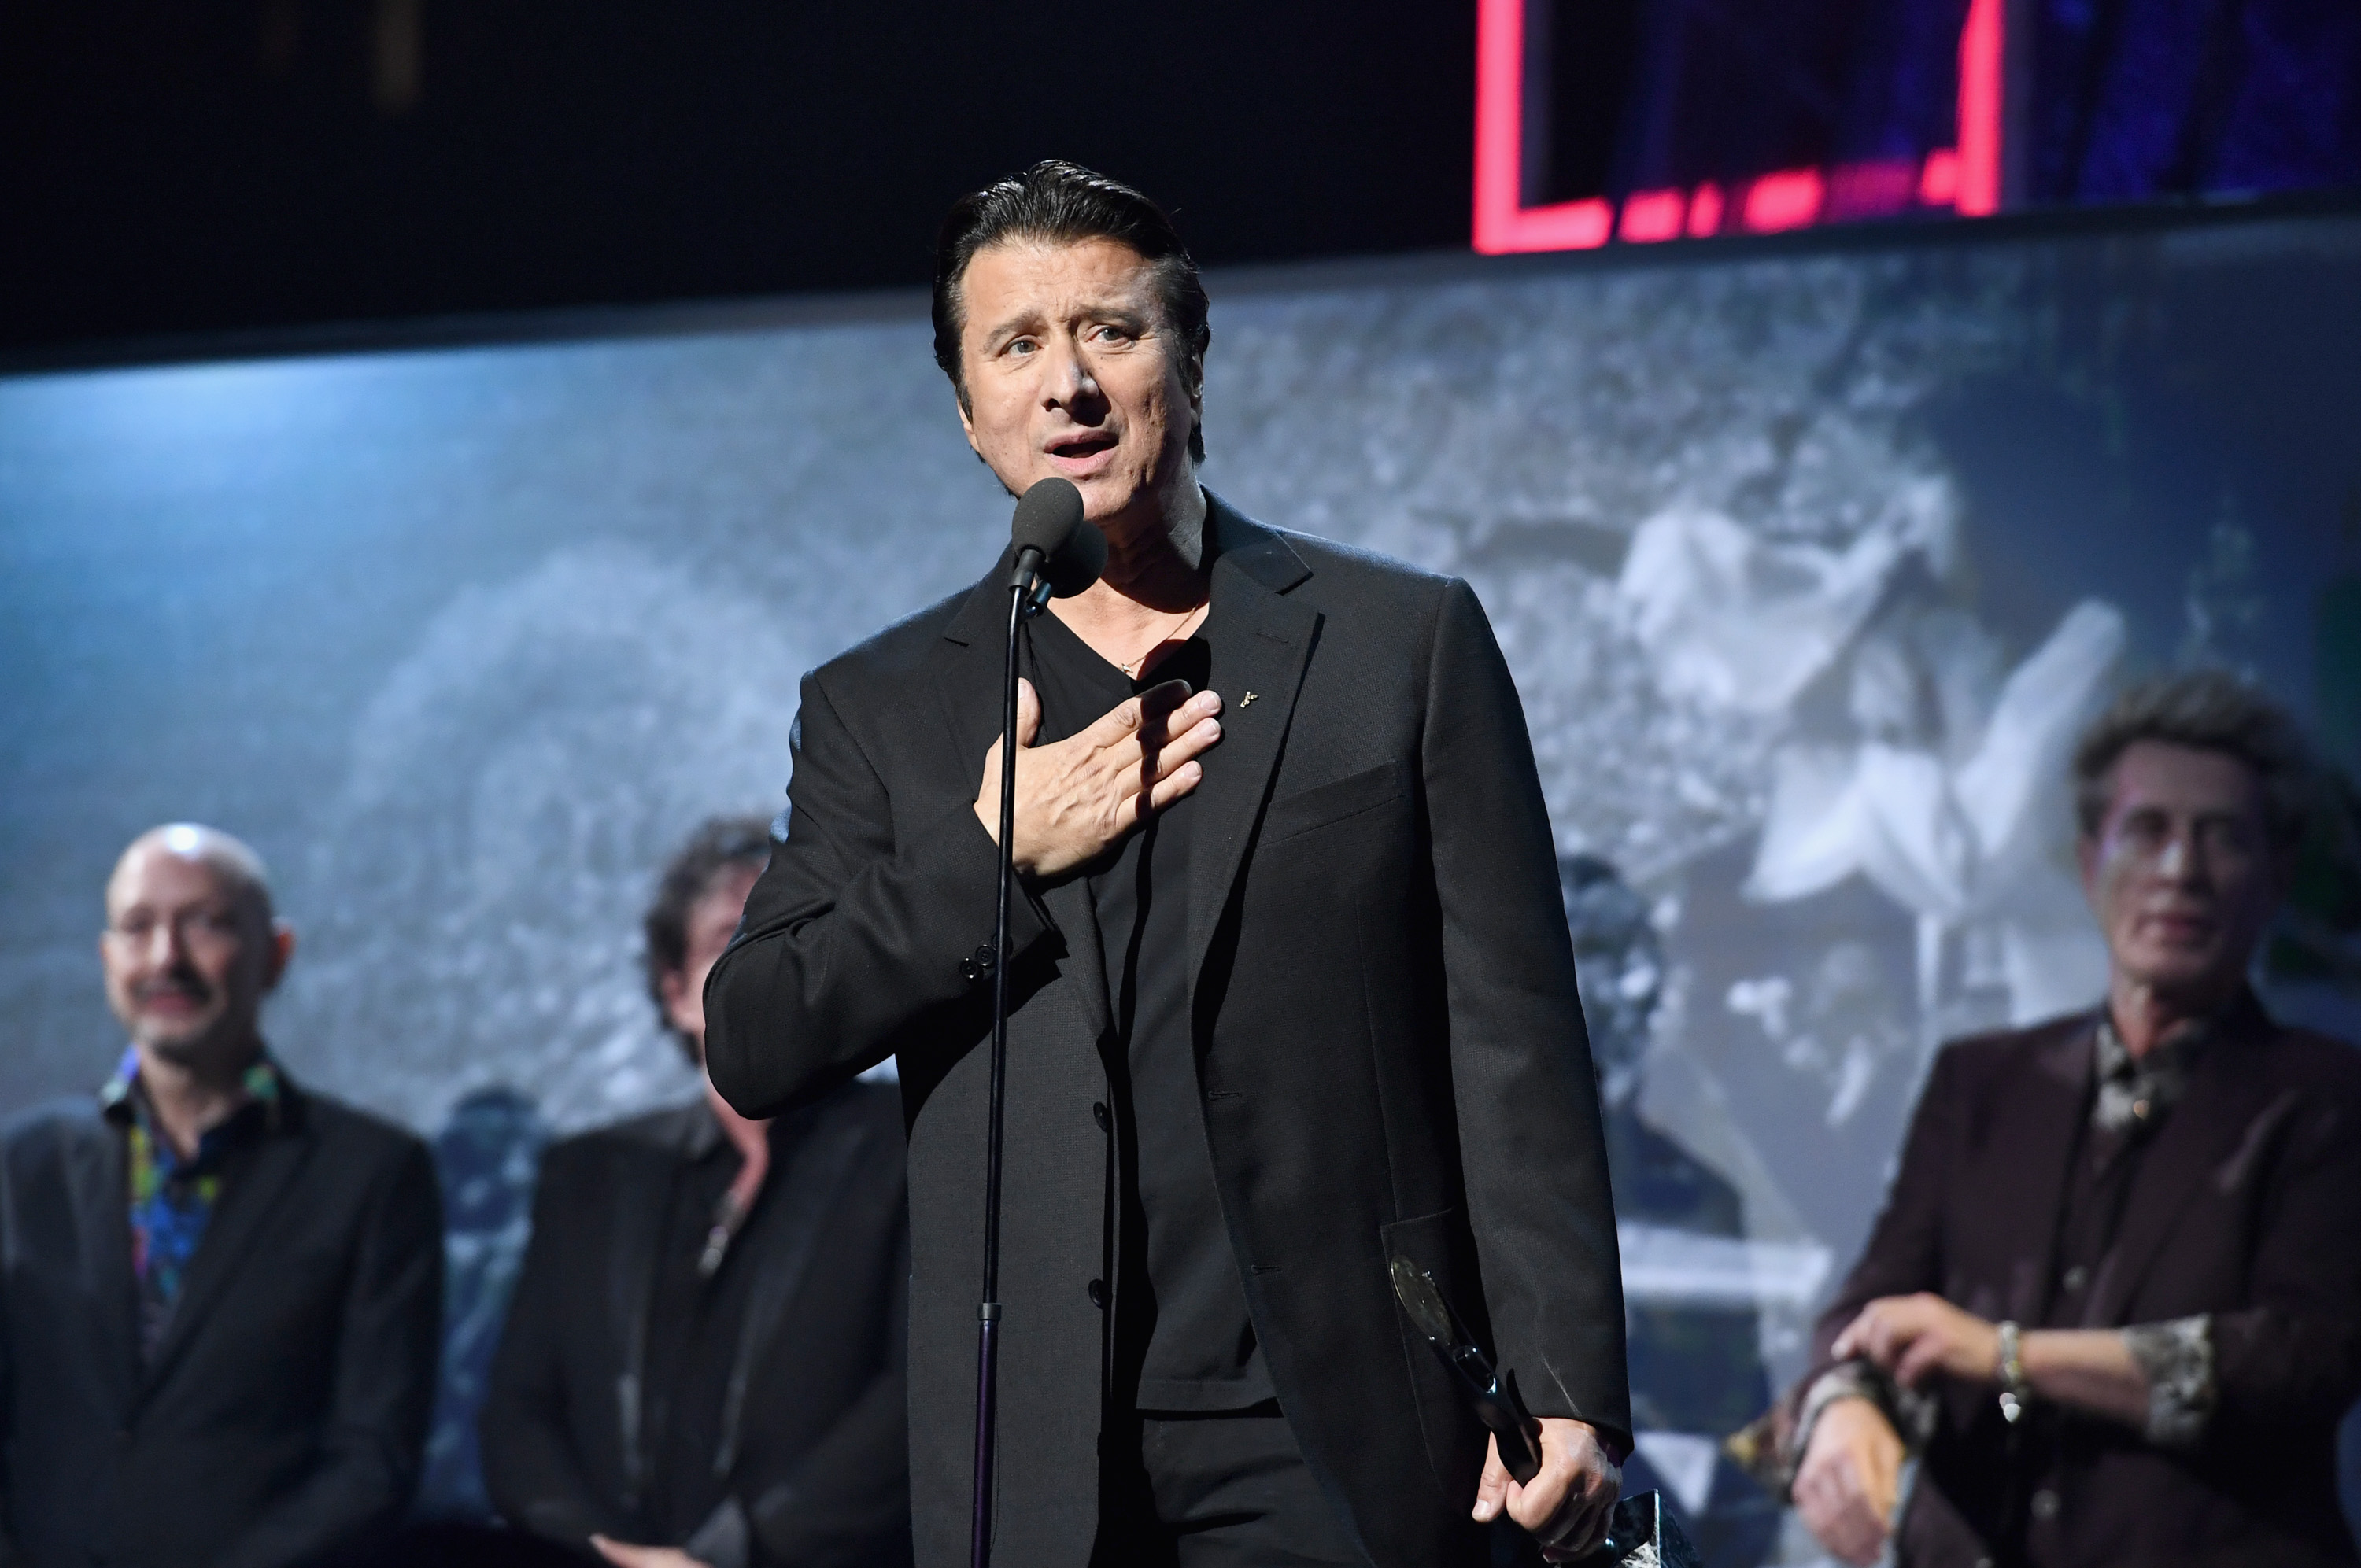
{"x":172,"y":1199}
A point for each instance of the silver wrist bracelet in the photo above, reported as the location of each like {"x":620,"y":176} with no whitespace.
{"x":2015,"y":1394}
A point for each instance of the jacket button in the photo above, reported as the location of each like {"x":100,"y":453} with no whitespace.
{"x":2076,"y":1278}
{"x":1099,"y":1115}
{"x":984,"y":959}
{"x":2044,"y":1504}
{"x":1098,"y":1293}
{"x":968,"y":970}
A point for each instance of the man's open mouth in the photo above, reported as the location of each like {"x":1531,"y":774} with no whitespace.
{"x":1083,"y":445}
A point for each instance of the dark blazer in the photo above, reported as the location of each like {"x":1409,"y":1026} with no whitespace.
{"x":284,"y":1411}
{"x":1388,"y":1038}
{"x":2247,"y":1206}
{"x":815,"y":1454}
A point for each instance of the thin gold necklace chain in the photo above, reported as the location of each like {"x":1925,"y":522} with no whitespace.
{"x":1167,"y":635}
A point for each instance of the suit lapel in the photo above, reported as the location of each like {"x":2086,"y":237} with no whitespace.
{"x":1261,"y":642}
{"x":2026,"y":1170}
{"x":968,"y":670}
{"x":824,"y":1160}
{"x":101,"y":1212}
{"x":243,"y":1214}
{"x":636,"y":1243}
{"x":969,"y":682}
{"x":2218,"y":1111}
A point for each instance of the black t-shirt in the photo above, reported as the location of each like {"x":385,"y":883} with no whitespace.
{"x":1183,"y":1338}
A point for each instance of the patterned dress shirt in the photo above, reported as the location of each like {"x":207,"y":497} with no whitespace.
{"x":172,"y":1198}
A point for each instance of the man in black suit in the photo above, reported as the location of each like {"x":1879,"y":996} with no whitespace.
{"x":704,"y":1362}
{"x":2115,"y":1298}
{"x":1286,"y":1009}
{"x":219,"y":1294}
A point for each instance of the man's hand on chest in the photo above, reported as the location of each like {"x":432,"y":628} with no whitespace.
{"x":1076,"y":796}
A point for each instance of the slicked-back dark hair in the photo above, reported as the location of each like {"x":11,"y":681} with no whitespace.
{"x":720,"y":843}
{"x":2203,"y":710}
{"x":1065,"y":203}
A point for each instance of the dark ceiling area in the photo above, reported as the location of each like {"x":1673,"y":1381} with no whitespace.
{"x":169,"y":168}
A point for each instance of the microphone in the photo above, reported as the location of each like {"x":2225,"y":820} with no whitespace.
{"x":1054,"y":543}
{"x":1058,"y":554}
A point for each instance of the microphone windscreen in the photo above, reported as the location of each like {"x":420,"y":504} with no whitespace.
{"x":1047,"y":516}
{"x":1077,"y":566}
{"x":1050,"y":519}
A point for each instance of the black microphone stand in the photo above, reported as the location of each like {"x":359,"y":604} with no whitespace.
{"x":1025,"y":597}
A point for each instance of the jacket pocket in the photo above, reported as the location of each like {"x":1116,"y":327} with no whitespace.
{"x":1333,"y":802}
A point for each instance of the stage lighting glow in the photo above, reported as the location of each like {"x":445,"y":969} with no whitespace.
{"x":190,"y":408}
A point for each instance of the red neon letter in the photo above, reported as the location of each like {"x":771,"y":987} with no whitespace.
{"x":1502,"y":222}
{"x":1653,"y":214}
{"x":1705,"y":211}
{"x":1939,"y":181}
{"x":1787,"y":200}
{"x":1967,"y":177}
{"x":1499,"y":122}
{"x":1981,"y":46}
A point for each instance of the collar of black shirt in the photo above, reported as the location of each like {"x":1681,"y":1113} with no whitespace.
{"x":2136,"y":1093}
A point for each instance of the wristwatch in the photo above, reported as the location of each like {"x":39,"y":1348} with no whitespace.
{"x":2015,"y":1392}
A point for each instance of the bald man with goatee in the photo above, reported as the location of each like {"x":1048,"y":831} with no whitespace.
{"x":219,"y":1293}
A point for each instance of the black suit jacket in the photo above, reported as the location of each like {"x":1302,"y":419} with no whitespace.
{"x":1389,"y":1038}
{"x":2247,"y":1206}
{"x":284,"y":1411}
{"x":817,"y":1458}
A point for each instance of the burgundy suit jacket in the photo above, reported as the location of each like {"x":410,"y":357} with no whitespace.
{"x":2247,"y":1207}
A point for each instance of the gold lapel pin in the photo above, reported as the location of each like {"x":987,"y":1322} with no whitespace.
{"x":1247,"y":700}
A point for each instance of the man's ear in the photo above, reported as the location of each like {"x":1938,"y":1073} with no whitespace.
{"x":673,"y":986}
{"x":967,"y":427}
{"x":966,"y":421}
{"x":2086,"y":865}
{"x":282,"y":948}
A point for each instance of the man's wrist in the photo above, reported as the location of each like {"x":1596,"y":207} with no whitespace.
{"x":1846,"y":1380}
{"x":1910,"y":1414}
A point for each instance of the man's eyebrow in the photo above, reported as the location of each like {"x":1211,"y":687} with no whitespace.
{"x":1028,"y":320}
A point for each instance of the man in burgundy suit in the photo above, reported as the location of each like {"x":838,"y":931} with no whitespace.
{"x":2113,"y":1306}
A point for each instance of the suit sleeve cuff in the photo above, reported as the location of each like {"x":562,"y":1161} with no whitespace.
{"x":2177,"y":1357}
{"x":961,"y":847}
